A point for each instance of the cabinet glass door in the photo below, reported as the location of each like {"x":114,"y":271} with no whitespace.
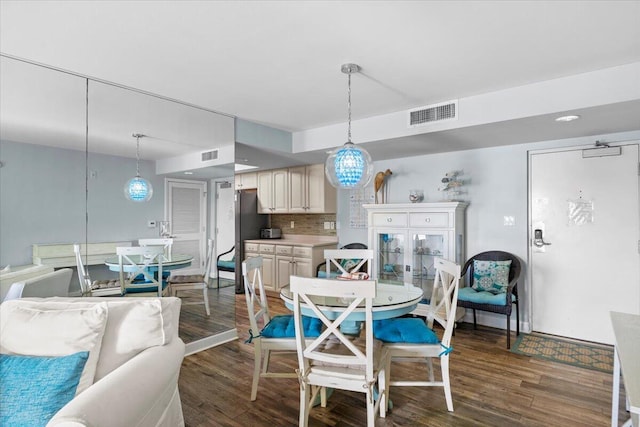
{"x":390,"y":257}
{"x":425,"y":247}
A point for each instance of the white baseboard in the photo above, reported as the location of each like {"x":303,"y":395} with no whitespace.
{"x":495,"y":320}
{"x":212,"y":341}
{"x":227,"y":275}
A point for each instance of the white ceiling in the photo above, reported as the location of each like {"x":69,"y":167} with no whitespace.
{"x":278,"y":62}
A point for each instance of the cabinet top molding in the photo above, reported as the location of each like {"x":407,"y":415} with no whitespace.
{"x":417,"y":206}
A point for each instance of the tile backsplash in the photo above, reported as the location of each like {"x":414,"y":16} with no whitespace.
{"x":311,"y":224}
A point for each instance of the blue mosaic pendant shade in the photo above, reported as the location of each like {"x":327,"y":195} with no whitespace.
{"x":349,"y":167}
{"x":138,"y":189}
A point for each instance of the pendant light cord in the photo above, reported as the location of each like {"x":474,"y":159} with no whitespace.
{"x":137,"y":136}
{"x":349,"y":108}
{"x":137,"y":154}
{"x":86,"y":169}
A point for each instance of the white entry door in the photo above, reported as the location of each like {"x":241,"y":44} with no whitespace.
{"x":185,"y":209}
{"x":584,"y":255}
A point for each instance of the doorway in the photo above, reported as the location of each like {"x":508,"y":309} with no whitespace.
{"x":584,"y":231}
{"x":185,"y":209}
{"x":225,"y":222}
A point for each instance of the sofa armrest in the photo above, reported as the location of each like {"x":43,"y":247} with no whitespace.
{"x":135,"y":394}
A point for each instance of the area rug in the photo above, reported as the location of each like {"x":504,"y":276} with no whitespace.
{"x":576,"y":353}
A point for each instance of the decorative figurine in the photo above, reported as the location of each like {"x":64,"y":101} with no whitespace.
{"x":452,"y":185}
{"x":379,"y":182}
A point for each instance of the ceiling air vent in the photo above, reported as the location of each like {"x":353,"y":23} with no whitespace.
{"x":433,"y":113}
{"x":210,"y":155}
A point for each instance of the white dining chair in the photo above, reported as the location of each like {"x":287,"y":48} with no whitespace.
{"x":268,"y":334}
{"x":414,"y":340}
{"x":165,"y":243}
{"x":95,"y":288}
{"x":334,"y":360}
{"x":135,"y":261}
{"x":186,"y":282}
{"x":347,"y":262}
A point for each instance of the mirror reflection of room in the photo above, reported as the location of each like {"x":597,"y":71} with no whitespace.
{"x":73,"y":144}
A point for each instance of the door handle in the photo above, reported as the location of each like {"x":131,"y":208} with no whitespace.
{"x":538,"y":239}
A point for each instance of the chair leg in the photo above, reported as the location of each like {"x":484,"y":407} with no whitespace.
{"x":430,"y":365}
{"x":475,"y":326}
{"x":305,"y":404}
{"x":444,"y":363}
{"x":206,"y":300}
{"x":371,"y":408}
{"x":382,"y":393}
{"x":256,"y":368}
{"x":508,"y":332}
{"x":517,"y":318}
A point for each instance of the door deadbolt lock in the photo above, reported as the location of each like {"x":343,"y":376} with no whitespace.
{"x":538,"y":240}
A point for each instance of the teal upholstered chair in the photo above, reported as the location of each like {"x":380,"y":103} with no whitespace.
{"x":226,"y":264}
{"x":492,"y":285}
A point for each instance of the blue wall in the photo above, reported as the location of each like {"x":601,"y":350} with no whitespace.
{"x":42,"y":199}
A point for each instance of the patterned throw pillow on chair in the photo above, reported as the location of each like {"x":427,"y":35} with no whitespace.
{"x":349,"y":264}
{"x":491,"y":276}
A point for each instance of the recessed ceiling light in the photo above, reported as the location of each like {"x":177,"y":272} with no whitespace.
{"x":567,"y":118}
{"x":188,"y":173}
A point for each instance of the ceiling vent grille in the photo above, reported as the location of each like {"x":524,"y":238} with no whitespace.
{"x":209,"y":155}
{"x":433,"y":113}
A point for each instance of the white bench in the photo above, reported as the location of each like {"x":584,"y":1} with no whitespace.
{"x":62,"y":255}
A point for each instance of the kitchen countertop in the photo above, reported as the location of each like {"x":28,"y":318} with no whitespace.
{"x":298,"y":240}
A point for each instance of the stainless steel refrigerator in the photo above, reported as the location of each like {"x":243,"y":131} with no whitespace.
{"x":248,"y":225}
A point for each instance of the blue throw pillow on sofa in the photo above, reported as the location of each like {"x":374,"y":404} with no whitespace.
{"x":35,"y":388}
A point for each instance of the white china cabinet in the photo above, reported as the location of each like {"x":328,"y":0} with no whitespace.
{"x":407,"y":237}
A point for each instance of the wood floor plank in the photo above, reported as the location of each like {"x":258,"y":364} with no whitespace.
{"x":490,"y":385}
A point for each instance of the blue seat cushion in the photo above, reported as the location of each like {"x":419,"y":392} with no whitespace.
{"x":483,"y":297}
{"x":332,"y":275}
{"x":34,"y":388}
{"x":137,"y":288}
{"x":283,"y":327}
{"x":404,"y":329}
{"x":141,"y":279}
{"x":227,"y":265}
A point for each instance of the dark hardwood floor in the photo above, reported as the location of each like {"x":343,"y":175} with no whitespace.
{"x":195,"y":325}
{"x":491,"y":387}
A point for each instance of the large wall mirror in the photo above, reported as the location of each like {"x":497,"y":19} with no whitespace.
{"x":67,"y":150}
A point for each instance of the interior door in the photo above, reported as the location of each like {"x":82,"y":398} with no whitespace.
{"x":186,"y":212}
{"x":225,"y":222}
{"x":584,"y":234}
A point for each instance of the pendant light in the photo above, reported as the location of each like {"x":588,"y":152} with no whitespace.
{"x":349,"y":166}
{"x":138,"y":189}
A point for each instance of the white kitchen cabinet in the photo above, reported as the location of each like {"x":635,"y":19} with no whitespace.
{"x":273,"y":191}
{"x":247,"y":180}
{"x":310,"y":191}
{"x":406,"y":238}
{"x":267,"y":252}
{"x":281,"y":260}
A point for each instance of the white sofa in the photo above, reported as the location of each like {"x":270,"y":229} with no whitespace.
{"x":136,"y":362}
